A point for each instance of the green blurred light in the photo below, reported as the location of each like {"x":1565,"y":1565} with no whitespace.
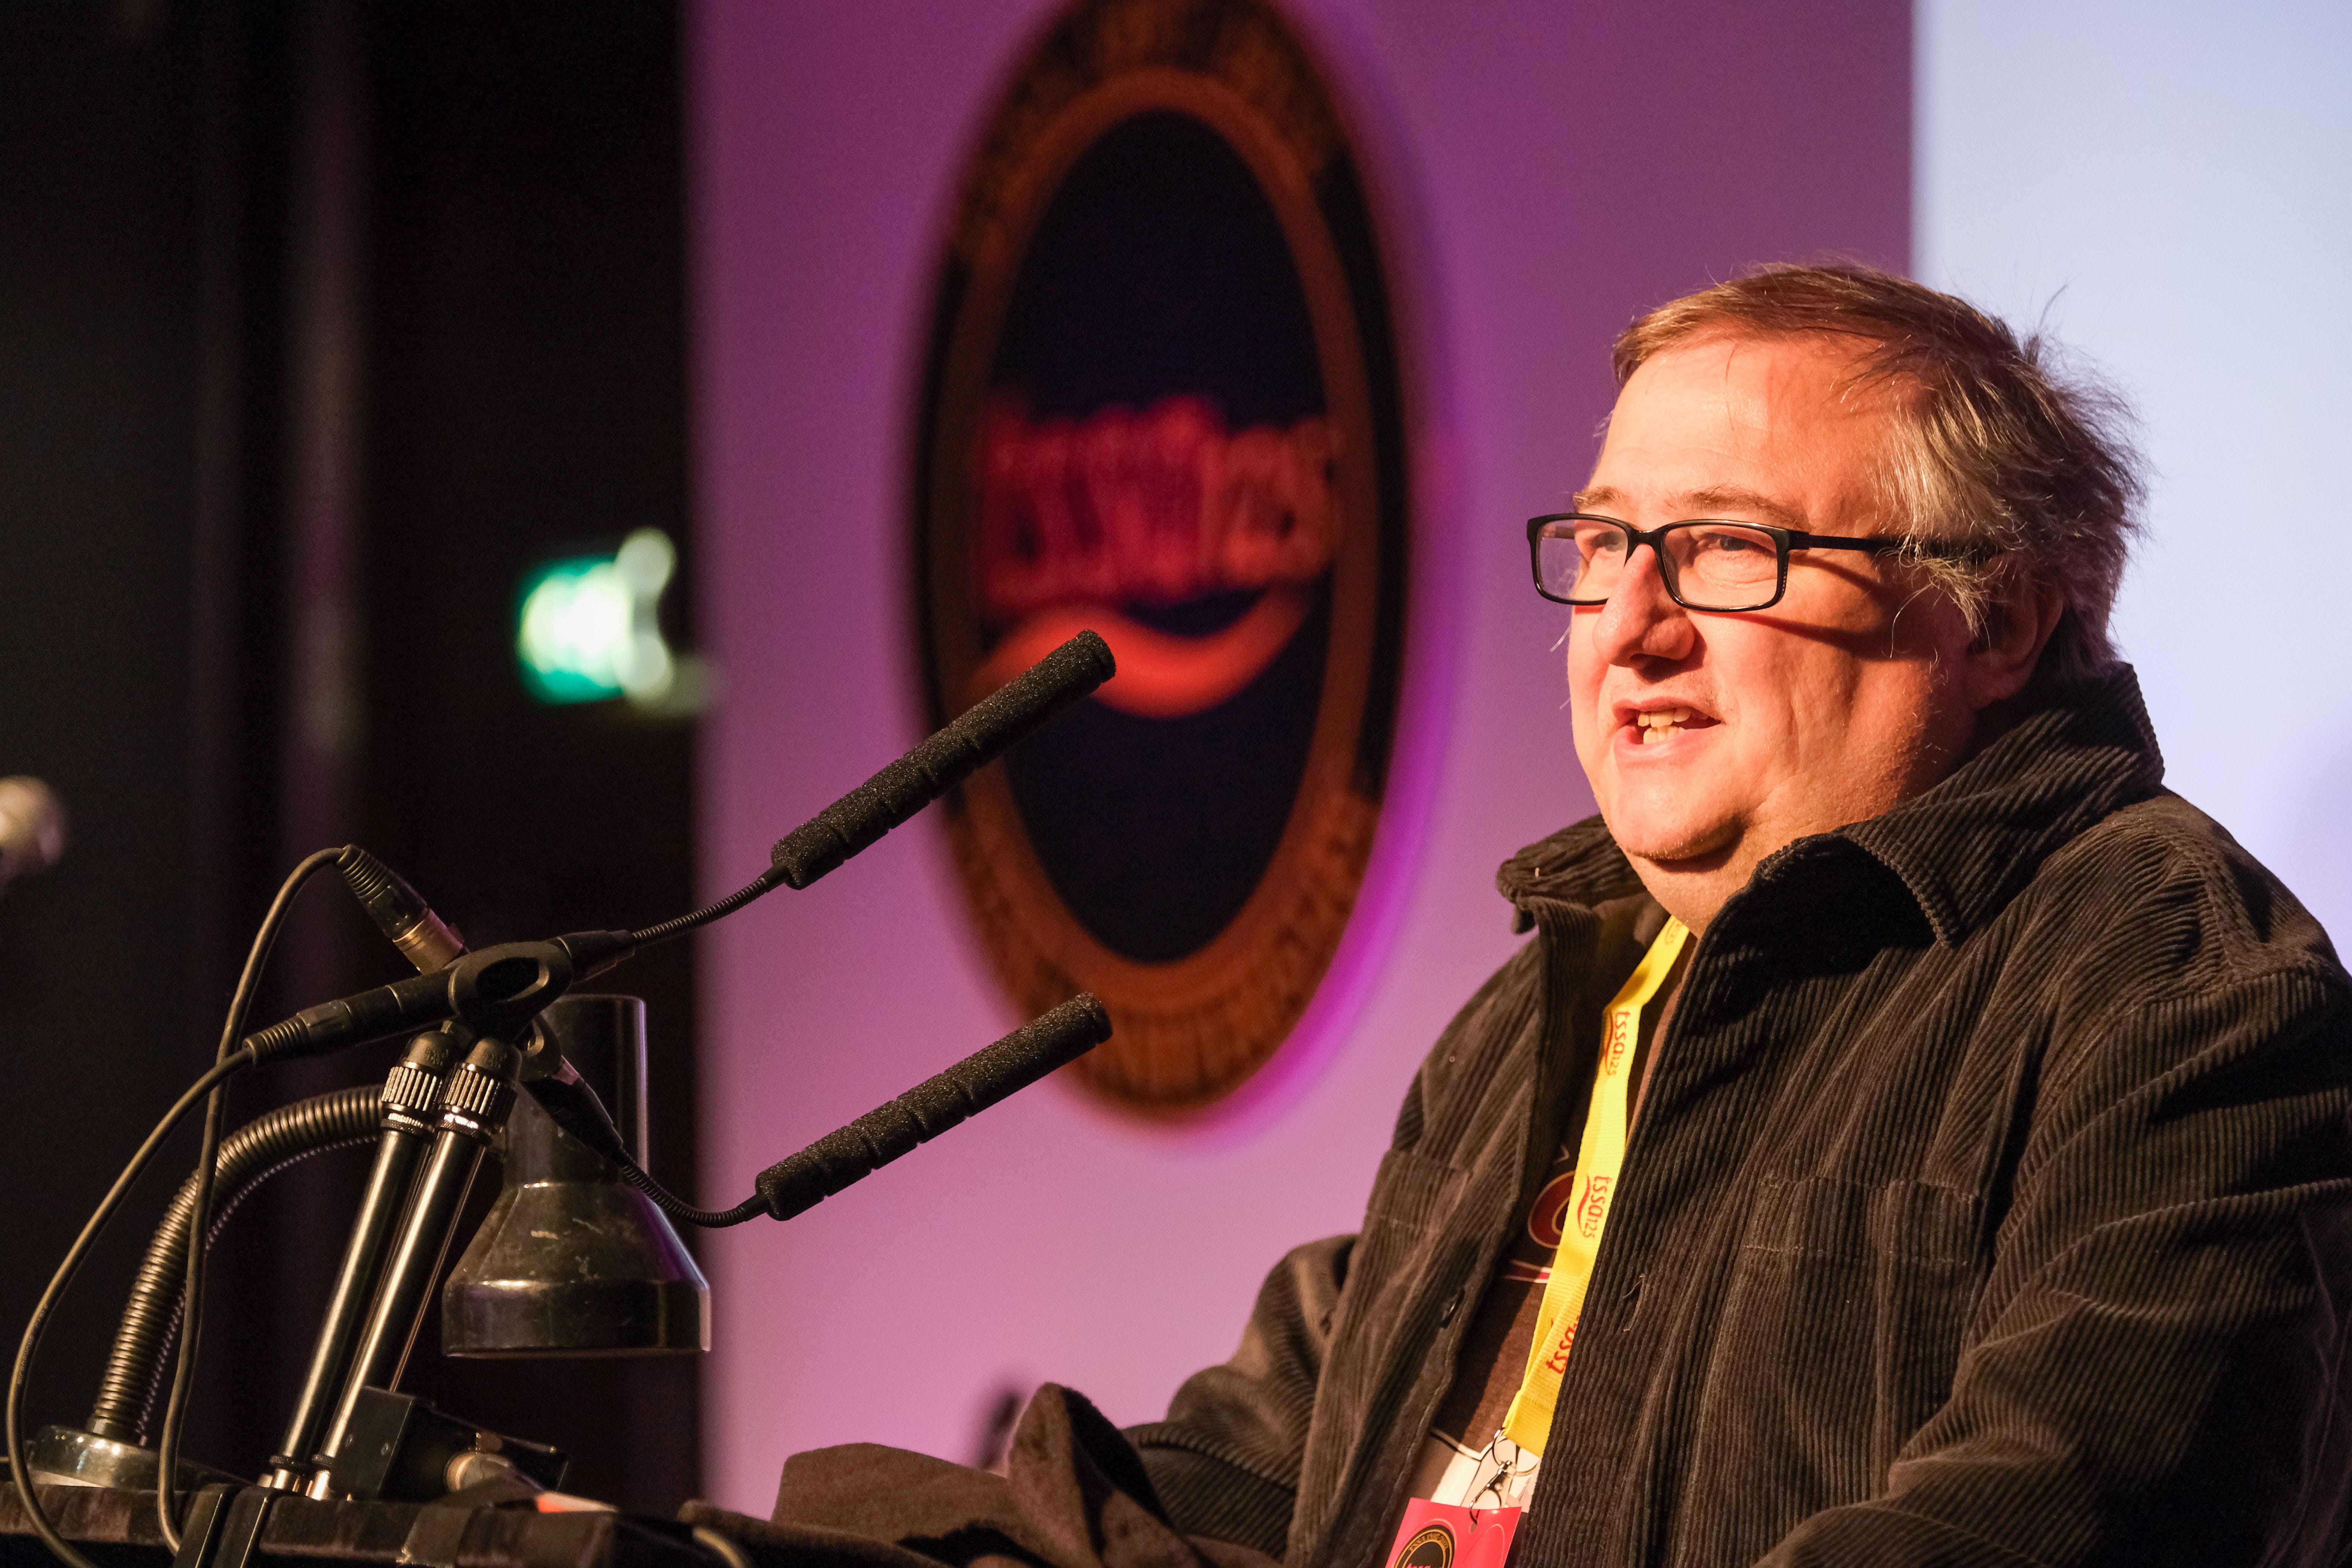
{"x":588,"y":629}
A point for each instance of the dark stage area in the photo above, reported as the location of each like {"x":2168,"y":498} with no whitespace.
{"x":319,"y":327}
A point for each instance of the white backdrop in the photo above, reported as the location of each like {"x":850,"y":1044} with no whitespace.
{"x":2169,"y":186}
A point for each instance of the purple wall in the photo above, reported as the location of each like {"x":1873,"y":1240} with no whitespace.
{"x":1547,"y":171}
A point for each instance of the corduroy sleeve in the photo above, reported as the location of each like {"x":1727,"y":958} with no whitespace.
{"x":2154,"y":1373}
{"x":1226,"y":1462}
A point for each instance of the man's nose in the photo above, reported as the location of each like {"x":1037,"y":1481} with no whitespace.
{"x":1641,"y":619}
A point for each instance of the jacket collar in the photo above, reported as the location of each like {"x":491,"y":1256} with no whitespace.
{"x":1578,"y":865}
{"x":1967,"y":847}
{"x":1963,"y":849}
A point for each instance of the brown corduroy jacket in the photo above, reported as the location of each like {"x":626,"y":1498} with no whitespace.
{"x":1991,"y":1202}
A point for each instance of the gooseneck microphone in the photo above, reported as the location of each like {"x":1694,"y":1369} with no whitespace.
{"x":496,"y":995}
{"x":967,"y":743}
{"x":975,"y":737}
{"x":853,"y":1152}
{"x":931,"y":1107}
{"x":858,"y":819}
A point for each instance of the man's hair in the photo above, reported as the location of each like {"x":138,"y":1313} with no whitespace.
{"x":1995,"y":447}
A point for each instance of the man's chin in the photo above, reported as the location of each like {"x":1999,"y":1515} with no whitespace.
{"x":1675,"y":847}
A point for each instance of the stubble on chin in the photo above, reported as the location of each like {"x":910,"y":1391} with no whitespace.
{"x":1668,"y":845}
{"x":1690,"y":872}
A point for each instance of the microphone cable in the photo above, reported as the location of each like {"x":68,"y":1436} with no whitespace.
{"x":191,"y":1320}
{"x":58,"y":1544}
{"x":884,"y":802}
{"x":230,"y":1060}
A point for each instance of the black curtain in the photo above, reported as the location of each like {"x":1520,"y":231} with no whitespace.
{"x":321,"y":324}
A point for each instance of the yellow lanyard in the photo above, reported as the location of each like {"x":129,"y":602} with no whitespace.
{"x":1598,"y":1159}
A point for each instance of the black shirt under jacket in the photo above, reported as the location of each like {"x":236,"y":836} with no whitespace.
{"x":1991,"y":1202}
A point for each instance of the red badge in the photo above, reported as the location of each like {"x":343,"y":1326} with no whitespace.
{"x":1440,"y":1535}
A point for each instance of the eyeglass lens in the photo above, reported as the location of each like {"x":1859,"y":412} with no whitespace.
{"x":1712,"y":565}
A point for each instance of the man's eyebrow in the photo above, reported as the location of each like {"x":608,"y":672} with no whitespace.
{"x":1720,"y":500}
{"x":1714,"y":500}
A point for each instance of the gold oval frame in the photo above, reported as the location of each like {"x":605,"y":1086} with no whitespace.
{"x":1190,"y":1030}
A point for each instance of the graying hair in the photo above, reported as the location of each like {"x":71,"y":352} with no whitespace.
{"x":1997,"y":445}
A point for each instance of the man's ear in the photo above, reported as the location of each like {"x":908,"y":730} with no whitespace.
{"x":2017,"y":623}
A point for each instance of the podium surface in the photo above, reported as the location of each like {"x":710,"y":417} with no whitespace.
{"x":118,"y":1528}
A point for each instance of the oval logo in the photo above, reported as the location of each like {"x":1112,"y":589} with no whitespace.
{"x":1432,"y":1548}
{"x":1163,"y":401}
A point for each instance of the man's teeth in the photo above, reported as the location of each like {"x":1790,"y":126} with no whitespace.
{"x":1655,"y":724}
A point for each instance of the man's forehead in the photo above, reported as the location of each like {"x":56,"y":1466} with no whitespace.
{"x":1768,"y":429}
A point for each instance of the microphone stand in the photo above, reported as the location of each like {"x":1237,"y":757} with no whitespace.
{"x":493,"y":996}
{"x":225,"y":1524}
{"x":411,"y":1095}
{"x":474,"y":1110}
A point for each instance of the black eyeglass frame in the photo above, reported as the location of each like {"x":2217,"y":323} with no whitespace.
{"x":1784,"y":540}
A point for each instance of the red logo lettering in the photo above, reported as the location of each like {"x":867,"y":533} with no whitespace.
{"x":1079,"y":518}
{"x":1153,"y":508}
{"x":1621,"y":1036}
{"x":1594,"y":1206}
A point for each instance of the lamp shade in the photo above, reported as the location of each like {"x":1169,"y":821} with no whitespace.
{"x":572,"y":1261}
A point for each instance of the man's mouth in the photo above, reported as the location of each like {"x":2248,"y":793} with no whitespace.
{"x":1660,"y":723}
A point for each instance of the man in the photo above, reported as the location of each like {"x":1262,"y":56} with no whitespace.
{"x":1972,"y":1183}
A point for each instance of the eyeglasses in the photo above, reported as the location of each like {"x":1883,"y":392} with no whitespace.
{"x":1706,"y":563}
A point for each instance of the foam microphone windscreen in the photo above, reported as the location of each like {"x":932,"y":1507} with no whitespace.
{"x":931,"y":1108}
{"x":946,"y":760}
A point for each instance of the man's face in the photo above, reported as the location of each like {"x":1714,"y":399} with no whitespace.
{"x":1826,"y":708}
